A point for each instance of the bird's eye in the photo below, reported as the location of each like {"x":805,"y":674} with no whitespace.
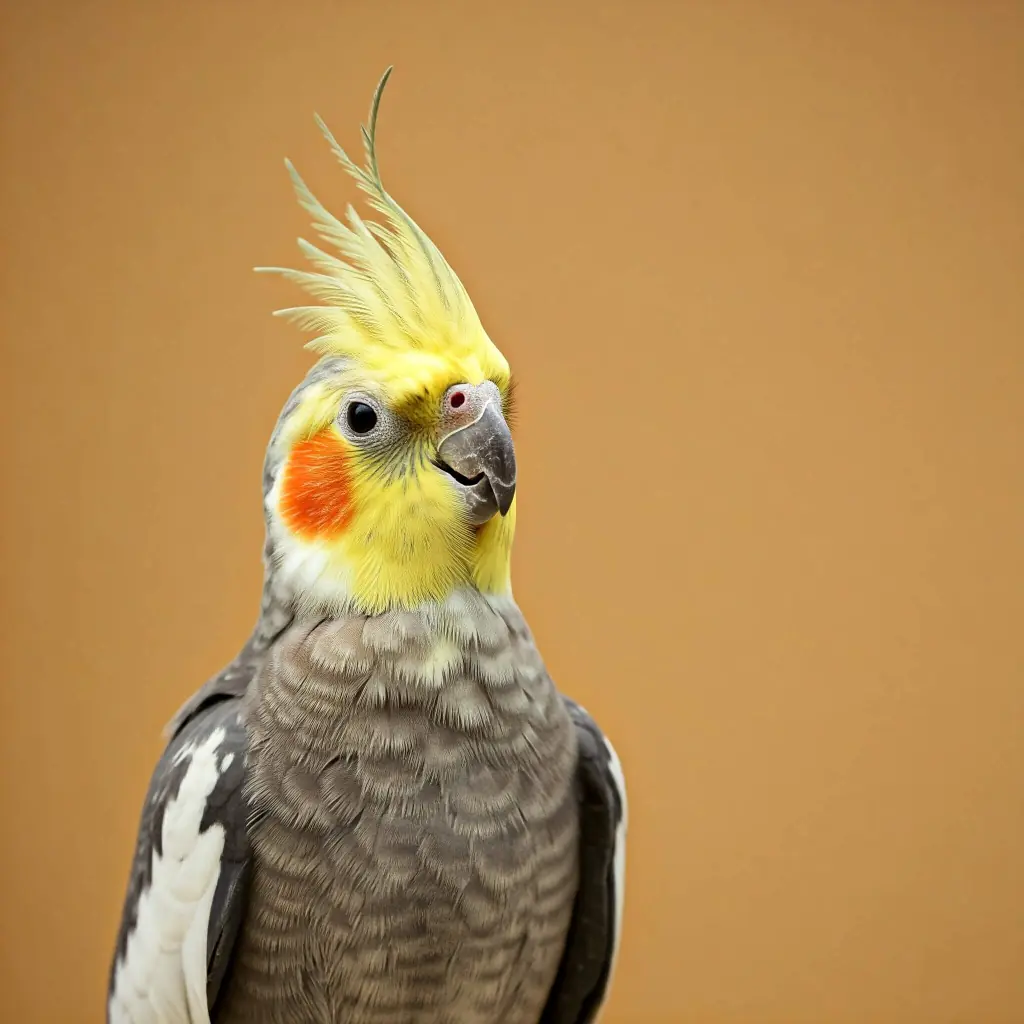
{"x":362,"y":418}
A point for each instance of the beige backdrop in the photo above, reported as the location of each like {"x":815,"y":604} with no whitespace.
{"x":758,"y":267}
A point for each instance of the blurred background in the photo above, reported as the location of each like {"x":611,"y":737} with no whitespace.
{"x":768,"y":255}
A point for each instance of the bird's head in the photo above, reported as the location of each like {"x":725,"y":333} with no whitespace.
{"x":391,"y":473}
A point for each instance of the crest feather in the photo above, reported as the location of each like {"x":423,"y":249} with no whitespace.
{"x":391,"y":291}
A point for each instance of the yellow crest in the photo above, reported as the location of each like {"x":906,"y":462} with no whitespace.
{"x":392,"y":304}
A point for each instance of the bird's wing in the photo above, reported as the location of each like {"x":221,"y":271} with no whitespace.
{"x":581,"y":984}
{"x":186,"y":891}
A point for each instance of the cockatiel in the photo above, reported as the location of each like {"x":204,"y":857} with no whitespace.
{"x":382,"y":811}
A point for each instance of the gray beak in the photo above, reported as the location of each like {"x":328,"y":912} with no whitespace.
{"x":478,"y":453}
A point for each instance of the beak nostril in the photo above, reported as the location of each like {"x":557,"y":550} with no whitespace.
{"x":479,"y":456}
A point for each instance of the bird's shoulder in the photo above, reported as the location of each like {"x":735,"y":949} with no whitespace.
{"x":584,"y":974}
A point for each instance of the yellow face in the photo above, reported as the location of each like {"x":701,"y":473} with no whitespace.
{"x":394,"y":491}
{"x":393,"y":466}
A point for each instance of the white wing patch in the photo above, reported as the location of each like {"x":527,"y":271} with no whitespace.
{"x":619,"y":857}
{"x":162,"y":977}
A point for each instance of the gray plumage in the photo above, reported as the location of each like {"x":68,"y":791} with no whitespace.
{"x":403,"y":849}
{"x":434,"y":818}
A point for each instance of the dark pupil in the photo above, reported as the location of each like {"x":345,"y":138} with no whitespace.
{"x":361,"y":417}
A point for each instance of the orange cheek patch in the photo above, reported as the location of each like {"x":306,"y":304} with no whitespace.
{"x":316,"y":493}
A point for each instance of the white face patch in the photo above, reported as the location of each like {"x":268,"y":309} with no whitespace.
{"x":162,"y":976}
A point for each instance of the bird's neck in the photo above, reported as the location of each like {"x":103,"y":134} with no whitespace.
{"x":420,"y":687}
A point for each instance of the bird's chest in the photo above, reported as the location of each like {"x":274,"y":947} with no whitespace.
{"x":441,"y":907}
{"x":410,"y":871}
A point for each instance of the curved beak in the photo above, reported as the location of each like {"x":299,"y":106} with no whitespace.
{"x":480,"y":456}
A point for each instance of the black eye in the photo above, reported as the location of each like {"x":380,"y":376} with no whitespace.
{"x":361,"y":418}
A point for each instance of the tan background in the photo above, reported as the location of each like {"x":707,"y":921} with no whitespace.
{"x":760,"y":270}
